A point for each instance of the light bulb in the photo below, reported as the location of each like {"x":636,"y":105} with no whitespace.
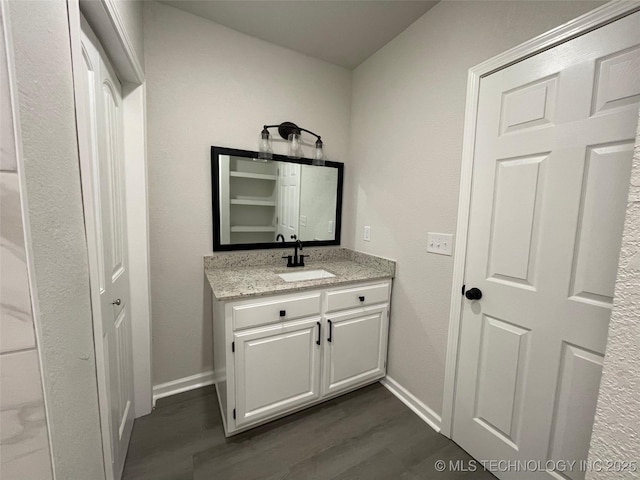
{"x":264,"y":147}
{"x":294,"y":145}
{"x":318,"y":154}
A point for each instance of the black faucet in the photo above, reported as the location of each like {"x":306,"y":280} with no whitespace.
{"x":296,"y":260}
{"x":280,"y":237}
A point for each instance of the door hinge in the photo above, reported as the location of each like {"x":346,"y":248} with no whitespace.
{"x":234,"y":413}
{"x":233,"y":347}
{"x":463,"y":289}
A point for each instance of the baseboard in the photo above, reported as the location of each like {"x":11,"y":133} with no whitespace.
{"x":182,"y":385}
{"x":411,"y":401}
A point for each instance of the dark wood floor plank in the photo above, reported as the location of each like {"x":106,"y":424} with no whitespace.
{"x":383,"y":465}
{"x":450,"y":454}
{"x":367,"y":434}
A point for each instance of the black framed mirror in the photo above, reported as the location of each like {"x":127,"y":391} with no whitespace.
{"x":259,"y":203}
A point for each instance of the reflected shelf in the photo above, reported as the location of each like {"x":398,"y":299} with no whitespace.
{"x":256,"y":176}
{"x":255,"y":202}
{"x":251,"y":228}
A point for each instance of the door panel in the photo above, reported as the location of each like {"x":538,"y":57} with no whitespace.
{"x":277,"y":369}
{"x":529,"y":106}
{"x":503,"y":352}
{"x":600,"y":226}
{"x":355,"y":348}
{"x":125,"y":370}
{"x":614,"y":87}
{"x":575,"y":408}
{"x":514,"y":230}
{"x":551,"y":175}
{"x":111,"y":159}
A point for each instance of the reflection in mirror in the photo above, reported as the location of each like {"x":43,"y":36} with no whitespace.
{"x":263,"y":202}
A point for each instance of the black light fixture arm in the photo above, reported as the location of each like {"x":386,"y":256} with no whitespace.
{"x":287,"y":128}
{"x":309,"y":131}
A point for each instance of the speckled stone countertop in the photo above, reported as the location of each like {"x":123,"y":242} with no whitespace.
{"x":229,"y":282}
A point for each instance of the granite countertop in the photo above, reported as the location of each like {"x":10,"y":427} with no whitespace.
{"x":232,"y":283}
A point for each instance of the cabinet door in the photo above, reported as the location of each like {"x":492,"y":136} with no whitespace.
{"x":355,"y":348}
{"x":277,"y":369}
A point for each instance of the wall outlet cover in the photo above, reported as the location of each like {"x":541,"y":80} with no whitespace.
{"x":367,"y":233}
{"x":440,"y":243}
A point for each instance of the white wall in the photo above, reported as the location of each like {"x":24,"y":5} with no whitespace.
{"x":615,"y":431}
{"x":209,"y":85}
{"x":403,"y":178}
{"x":60,"y":274}
{"x":24,"y":437}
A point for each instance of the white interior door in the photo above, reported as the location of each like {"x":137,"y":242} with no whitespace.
{"x":101,"y":137}
{"x":552,"y":165}
{"x":288,"y":199}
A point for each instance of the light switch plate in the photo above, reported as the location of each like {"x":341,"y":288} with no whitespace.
{"x":303,"y":220}
{"x":367,"y":233}
{"x":440,"y":243}
{"x":330,"y":226}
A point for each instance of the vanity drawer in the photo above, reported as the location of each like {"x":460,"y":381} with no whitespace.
{"x":275,"y":309}
{"x":357,"y":296}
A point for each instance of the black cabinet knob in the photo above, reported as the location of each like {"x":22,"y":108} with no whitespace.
{"x":283,"y":313}
{"x":361,"y":298}
{"x":473,"y":294}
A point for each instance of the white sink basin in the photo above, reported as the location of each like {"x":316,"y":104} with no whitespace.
{"x":305,"y":275}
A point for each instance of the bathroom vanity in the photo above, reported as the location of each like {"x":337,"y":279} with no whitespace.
{"x":283,"y":345}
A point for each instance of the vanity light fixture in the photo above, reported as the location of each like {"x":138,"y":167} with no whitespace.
{"x":292,"y":133}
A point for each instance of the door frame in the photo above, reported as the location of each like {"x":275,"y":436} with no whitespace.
{"x":592,"y":20}
{"x":108,"y":26}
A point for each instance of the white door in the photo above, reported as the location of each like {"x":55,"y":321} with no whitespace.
{"x":277,"y":369}
{"x":551,"y":176}
{"x":288,"y":199}
{"x":100,"y":132}
{"x":355,"y":348}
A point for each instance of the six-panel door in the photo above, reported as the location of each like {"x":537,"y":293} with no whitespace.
{"x":277,"y":369}
{"x":355,"y":348}
{"x":551,"y":169}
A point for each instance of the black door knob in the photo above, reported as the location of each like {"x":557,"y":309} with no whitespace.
{"x":473,"y":294}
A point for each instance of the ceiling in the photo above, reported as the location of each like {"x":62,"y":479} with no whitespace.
{"x":342,"y":32}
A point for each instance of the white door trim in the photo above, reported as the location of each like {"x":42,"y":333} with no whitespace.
{"x":106,"y":22}
{"x":579,"y":26}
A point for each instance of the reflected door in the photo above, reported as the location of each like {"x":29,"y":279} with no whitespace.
{"x":554,"y":146}
{"x":288,"y":199}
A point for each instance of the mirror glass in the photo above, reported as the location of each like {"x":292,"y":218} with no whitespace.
{"x":258,"y":204}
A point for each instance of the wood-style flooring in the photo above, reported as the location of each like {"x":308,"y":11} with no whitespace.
{"x":368,"y":434}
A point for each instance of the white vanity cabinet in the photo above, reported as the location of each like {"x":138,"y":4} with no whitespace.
{"x":278,"y":354}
